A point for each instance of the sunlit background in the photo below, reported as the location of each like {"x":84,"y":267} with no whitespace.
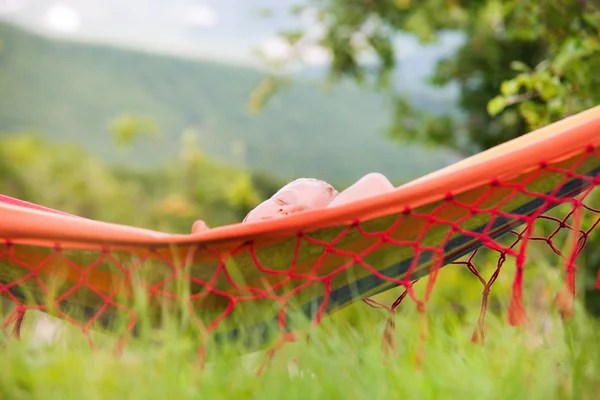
{"x":135,"y":85}
{"x":156,"y":113}
{"x":224,"y":30}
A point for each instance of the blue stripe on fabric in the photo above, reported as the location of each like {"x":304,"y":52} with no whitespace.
{"x":458,"y":247}
{"x":453,"y":250}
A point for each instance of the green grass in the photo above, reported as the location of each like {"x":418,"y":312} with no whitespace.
{"x":546,"y":359}
{"x":343,"y":360}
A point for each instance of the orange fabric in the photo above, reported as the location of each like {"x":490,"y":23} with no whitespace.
{"x":556,"y":141}
{"x":321,"y":260}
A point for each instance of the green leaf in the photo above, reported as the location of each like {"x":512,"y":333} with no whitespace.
{"x":547,"y":88}
{"x":126,"y":129}
{"x":592,"y":19}
{"x":556,"y":105}
{"x":524,"y":80}
{"x":403,"y":4}
{"x":262,"y":94}
{"x":532,"y":114}
{"x":496,"y":105}
{"x":519,"y":66}
{"x":508,"y":88}
{"x":571,"y":51}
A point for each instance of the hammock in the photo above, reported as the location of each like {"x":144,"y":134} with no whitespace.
{"x":238,"y":282}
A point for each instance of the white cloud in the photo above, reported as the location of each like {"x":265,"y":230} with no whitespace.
{"x":63,"y":18}
{"x":309,"y":16}
{"x":202,"y":15}
{"x":10,"y":6}
{"x":315,"y":55}
{"x":276,"y":49}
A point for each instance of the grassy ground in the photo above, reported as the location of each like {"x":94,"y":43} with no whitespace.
{"x":548,"y":359}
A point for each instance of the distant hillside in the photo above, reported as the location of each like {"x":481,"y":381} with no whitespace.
{"x":72,"y":91}
{"x":224,"y":30}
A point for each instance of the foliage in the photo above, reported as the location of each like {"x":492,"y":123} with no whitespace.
{"x":522,"y":64}
{"x":170,"y":198}
{"x":126,"y":129}
{"x":342,"y":359}
{"x":73,"y":92}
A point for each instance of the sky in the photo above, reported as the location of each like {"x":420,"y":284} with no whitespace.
{"x":225,"y":30}
{"x":230,"y":30}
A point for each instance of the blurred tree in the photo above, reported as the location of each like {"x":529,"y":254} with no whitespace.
{"x":126,"y":129}
{"x":522,"y":64}
{"x":169,"y":198}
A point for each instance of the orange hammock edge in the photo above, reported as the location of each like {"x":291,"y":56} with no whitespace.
{"x":560,"y":140}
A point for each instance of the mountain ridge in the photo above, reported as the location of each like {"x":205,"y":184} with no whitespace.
{"x":72,"y":91}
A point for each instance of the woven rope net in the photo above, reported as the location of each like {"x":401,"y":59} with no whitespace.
{"x":257,"y":284}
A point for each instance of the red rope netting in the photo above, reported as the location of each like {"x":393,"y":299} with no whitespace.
{"x":235,"y":290}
